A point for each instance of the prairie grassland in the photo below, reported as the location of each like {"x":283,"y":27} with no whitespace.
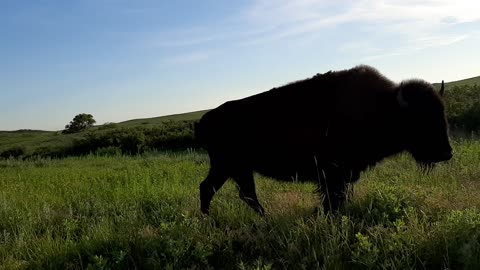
{"x":124,"y":212}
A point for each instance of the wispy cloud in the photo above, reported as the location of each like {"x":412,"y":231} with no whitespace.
{"x":371,"y":52}
{"x":414,"y":24}
{"x":363,"y":46}
{"x":167,"y":42}
{"x":293,"y":17}
{"x":435,"y":41}
{"x":186,"y":58}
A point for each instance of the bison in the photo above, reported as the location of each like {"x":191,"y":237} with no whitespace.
{"x":325,"y":129}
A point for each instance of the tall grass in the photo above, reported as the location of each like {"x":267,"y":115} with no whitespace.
{"x":118,"y":212}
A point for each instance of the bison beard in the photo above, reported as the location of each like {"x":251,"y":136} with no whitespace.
{"x":325,"y":129}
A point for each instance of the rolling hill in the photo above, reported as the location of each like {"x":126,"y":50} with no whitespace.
{"x":158,"y":120}
{"x":33,"y":139}
{"x":470,"y":81}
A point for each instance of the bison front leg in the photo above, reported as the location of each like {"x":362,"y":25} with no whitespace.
{"x":333,"y":184}
{"x":334,"y":197}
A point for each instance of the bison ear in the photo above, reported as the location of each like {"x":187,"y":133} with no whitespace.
{"x":442,"y":89}
{"x":401,"y":100}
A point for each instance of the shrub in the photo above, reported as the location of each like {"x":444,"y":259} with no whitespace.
{"x":171,"y":135}
{"x":108,"y":125}
{"x":132,"y":141}
{"x":14,"y":152}
{"x":108,"y":151}
{"x":462,"y":104}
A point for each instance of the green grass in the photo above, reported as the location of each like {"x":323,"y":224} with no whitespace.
{"x":142,"y":212}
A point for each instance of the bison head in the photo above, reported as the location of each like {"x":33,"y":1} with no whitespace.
{"x":425,"y":126}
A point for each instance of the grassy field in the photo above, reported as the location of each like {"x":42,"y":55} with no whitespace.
{"x":118,"y":212}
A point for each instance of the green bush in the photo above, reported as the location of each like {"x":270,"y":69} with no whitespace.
{"x":108,"y":125}
{"x":461,"y":230}
{"x":462,"y":104}
{"x":171,"y":135}
{"x":132,"y":141}
{"x":14,"y":152}
{"x":109,"y":151}
{"x":46,"y":151}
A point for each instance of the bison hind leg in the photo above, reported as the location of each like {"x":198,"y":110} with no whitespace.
{"x":214,"y":181}
{"x":246,"y":189}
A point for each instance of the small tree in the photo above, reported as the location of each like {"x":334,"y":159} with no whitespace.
{"x":80,"y":122}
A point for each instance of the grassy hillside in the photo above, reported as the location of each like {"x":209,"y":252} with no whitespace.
{"x":159,"y":120}
{"x":34,"y":139}
{"x":469,"y":82}
{"x":142,"y":212}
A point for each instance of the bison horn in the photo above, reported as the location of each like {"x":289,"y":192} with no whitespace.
{"x":400,"y":99}
{"x":442,"y":89}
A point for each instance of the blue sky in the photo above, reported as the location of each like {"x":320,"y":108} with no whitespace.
{"x":125,"y":59}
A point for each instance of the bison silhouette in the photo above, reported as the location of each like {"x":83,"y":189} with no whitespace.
{"x":325,"y":129}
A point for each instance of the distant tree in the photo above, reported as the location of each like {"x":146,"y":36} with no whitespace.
{"x":80,"y":122}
